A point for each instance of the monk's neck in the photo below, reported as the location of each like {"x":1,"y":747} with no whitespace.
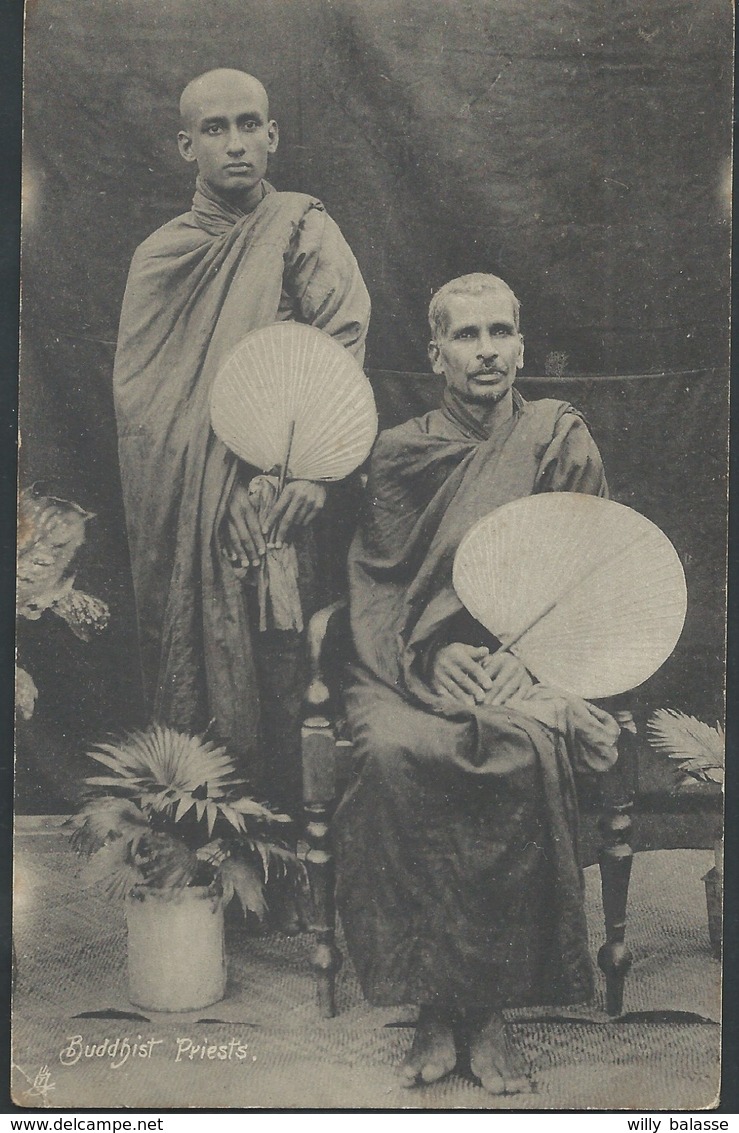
{"x":245,"y":201}
{"x":489,"y":414}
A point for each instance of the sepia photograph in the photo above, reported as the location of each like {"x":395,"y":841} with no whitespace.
{"x":372,"y":555}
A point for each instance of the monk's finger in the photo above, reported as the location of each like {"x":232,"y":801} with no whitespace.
{"x":286,"y":522}
{"x":309,"y":511}
{"x":248,"y":534}
{"x":278,"y":509}
{"x":476,"y":672}
{"x":236,"y":548}
{"x":506,"y":688}
{"x":497,"y":662}
{"x":461,"y":678}
{"x":252,"y":523}
{"x":443,"y":683}
{"x":451,"y":689}
{"x":303,"y":514}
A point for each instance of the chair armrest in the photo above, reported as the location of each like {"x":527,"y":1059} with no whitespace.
{"x":328,"y":627}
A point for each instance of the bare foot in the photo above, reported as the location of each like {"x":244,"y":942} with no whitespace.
{"x":493,"y":1060}
{"x":433,"y":1053}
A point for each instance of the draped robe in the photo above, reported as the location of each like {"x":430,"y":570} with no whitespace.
{"x":458,"y":878}
{"x":195,"y":288}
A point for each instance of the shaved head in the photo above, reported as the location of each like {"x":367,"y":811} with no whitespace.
{"x":227,"y":130}
{"x":216,"y":85}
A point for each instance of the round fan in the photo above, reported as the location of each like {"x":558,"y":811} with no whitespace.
{"x":291,"y":397}
{"x":587,"y":592}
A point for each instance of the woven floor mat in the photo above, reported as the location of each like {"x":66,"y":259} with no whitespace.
{"x":268,"y":1047}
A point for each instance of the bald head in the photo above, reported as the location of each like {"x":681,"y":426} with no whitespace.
{"x":227,"y":130}
{"x":219,"y":85}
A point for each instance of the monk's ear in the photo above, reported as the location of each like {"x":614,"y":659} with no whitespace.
{"x":273,"y":133}
{"x":435,"y":356}
{"x":519,"y":362}
{"x":184,"y":144}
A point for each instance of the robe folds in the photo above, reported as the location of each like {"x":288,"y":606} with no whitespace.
{"x":458,"y":878}
{"x":195,"y":288}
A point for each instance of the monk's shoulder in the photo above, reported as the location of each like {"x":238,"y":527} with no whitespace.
{"x":552,"y":414}
{"x":390,"y":441}
{"x":177,"y":234}
{"x":295,"y":205}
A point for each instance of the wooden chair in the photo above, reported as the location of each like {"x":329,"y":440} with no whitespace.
{"x":633,"y":807}
{"x":328,"y":769}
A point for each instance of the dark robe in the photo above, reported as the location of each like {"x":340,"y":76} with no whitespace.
{"x":458,"y":878}
{"x":195,"y":288}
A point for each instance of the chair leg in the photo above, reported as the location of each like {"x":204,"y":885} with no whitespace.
{"x":326,"y":960}
{"x":614,"y":958}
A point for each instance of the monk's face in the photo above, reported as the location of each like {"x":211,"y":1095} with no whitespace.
{"x":228,"y":132}
{"x":480,"y":351}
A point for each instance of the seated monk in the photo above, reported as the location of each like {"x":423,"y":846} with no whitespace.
{"x":459,"y":885}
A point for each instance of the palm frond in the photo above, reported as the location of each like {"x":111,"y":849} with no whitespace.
{"x":698,"y":748}
{"x":104,"y":819}
{"x":232,"y":817}
{"x":165,"y":861}
{"x":167,"y":793}
{"x":117,"y":884}
{"x":111,"y":867}
{"x":259,"y":810}
{"x":170,"y":772}
{"x":214,"y":853}
{"x":164,"y":759}
{"x":246,"y":883}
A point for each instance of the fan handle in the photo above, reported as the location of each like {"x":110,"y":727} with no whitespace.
{"x":282,"y":478}
{"x":283,"y":469}
{"x":513,"y":638}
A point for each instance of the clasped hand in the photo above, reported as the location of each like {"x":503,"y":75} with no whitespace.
{"x":247,"y":539}
{"x":473,"y":675}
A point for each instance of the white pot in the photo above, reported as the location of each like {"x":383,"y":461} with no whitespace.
{"x":176,"y":948}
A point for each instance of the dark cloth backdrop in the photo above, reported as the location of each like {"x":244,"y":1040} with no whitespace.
{"x":579,"y":150}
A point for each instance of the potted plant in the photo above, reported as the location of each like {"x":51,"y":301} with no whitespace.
{"x":699,"y":752}
{"x":168,"y":829}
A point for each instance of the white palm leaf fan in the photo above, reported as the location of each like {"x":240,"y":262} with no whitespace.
{"x":291,"y":398}
{"x":588,"y":593}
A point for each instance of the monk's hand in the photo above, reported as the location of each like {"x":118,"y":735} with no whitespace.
{"x":298,"y":505}
{"x":509,"y":677}
{"x":458,"y":671}
{"x":243,"y":538}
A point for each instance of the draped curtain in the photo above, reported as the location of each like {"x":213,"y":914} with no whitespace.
{"x":579,"y":149}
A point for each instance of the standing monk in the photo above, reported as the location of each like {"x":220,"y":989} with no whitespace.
{"x":244,"y":256}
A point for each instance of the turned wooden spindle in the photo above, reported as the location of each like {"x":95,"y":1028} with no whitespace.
{"x":317,"y":699}
{"x":615,"y":859}
{"x":614,"y":957}
{"x":318,"y":754}
{"x":326,"y":960}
